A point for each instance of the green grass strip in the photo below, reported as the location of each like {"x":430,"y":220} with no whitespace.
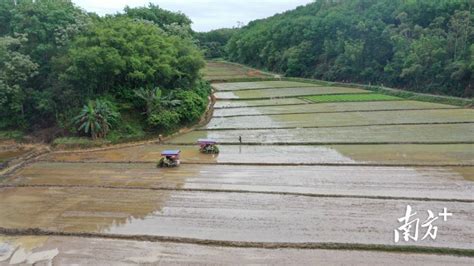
{"x":362,"y":97}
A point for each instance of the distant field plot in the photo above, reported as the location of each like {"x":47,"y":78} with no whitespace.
{"x":224,"y":71}
{"x":364,"y":134}
{"x":285,"y":92}
{"x":411,"y":154}
{"x":259,"y":85}
{"x":250,"y":103}
{"x":352,"y":98}
{"x":344,"y":119}
{"x":322,"y":107}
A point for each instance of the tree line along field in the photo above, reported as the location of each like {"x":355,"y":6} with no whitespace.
{"x":424,"y":46}
{"x":252,"y":193}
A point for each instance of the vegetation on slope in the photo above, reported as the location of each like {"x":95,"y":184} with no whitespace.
{"x":56,"y":60}
{"x":425,"y":46}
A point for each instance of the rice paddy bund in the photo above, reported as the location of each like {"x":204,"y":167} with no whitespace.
{"x":312,"y":170}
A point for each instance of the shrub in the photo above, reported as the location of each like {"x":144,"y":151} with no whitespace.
{"x":192,"y":106}
{"x":164,"y":120}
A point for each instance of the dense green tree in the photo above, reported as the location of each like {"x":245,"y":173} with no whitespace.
{"x":15,"y":70}
{"x":157,"y":15}
{"x":213,"y":42}
{"x":49,"y":26}
{"x":120,"y":52}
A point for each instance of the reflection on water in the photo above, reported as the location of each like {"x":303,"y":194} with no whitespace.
{"x":320,"y":107}
{"x":76,"y":210}
{"x":437,"y":133}
{"x":16,"y":250}
{"x":342,"y":119}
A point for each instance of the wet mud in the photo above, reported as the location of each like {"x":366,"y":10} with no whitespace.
{"x":344,"y":119}
{"x":285,"y":92}
{"x":423,"y":183}
{"x":251,"y":103}
{"x":96,"y":251}
{"x":391,"y":134}
{"x":226,"y":216}
{"x":455,"y":154}
{"x":234,"y":86}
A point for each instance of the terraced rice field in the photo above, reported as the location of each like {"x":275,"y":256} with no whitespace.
{"x":339,"y":119}
{"x":352,"y":98}
{"x":239,"y":86}
{"x":221,"y":71}
{"x":284,"y":92}
{"x":310,"y":182}
{"x":302,"y":108}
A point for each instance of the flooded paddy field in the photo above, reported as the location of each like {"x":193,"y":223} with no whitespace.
{"x":285,"y":92}
{"x":327,"y":107}
{"x":222,"y":71}
{"x":400,"y":134}
{"x":260,"y":85}
{"x":449,"y":183}
{"x":344,"y":119}
{"x":252,"y":103}
{"x":407,"y":154}
{"x":223,"y":216}
{"x":339,"y":186}
{"x":98,"y":251}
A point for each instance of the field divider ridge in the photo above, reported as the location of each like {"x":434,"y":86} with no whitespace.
{"x":243,"y":244}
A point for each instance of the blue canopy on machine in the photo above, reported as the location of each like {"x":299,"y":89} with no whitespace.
{"x":170,"y":153}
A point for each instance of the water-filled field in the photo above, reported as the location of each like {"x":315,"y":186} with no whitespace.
{"x":376,"y":181}
{"x":344,"y":119}
{"x":222,"y":71}
{"x":442,"y":133}
{"x":326,"y":107}
{"x":219,"y":216}
{"x":293,"y":173}
{"x":372,"y":97}
{"x":285,"y":92}
{"x":406,"y":154}
{"x":222,"y":104}
{"x":235,"y":86}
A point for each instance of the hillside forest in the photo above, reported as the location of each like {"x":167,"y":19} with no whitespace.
{"x":421,"y":45}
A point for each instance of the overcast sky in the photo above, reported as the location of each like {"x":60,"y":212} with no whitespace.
{"x":206,"y":14}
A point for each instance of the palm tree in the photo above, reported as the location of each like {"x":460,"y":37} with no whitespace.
{"x":153,"y":99}
{"x":96,"y":119}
